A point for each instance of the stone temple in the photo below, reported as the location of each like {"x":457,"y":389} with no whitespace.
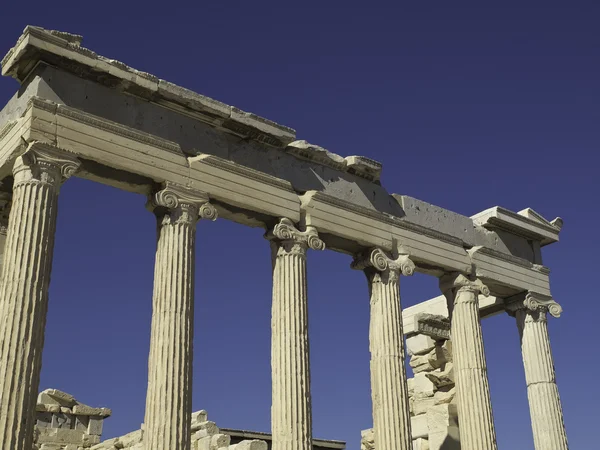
{"x":79,"y":114}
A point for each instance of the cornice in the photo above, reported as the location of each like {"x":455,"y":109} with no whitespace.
{"x":529,"y":221}
{"x":542,"y":230}
{"x":64,"y":51}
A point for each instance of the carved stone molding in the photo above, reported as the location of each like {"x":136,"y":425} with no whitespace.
{"x":432,"y":325}
{"x":188,"y":204}
{"x":43,"y":163}
{"x":534,"y":302}
{"x":286,"y":232}
{"x":457,"y":282}
{"x":380,"y":261}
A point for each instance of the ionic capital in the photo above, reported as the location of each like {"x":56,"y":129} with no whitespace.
{"x":382,"y":262}
{"x":286,"y":232}
{"x":457,"y":282}
{"x":187,"y":203}
{"x":535,"y":303}
{"x":42,"y":163}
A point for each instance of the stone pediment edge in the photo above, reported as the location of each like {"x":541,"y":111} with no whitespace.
{"x":227,"y":118}
{"x":486,"y":217}
{"x":68,"y":46}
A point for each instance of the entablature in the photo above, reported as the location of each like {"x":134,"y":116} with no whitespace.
{"x":120,"y":139}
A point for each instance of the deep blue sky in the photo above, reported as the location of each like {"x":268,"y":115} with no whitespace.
{"x":467,"y":104}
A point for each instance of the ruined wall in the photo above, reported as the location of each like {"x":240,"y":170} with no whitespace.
{"x":63,"y":423}
{"x":206,"y":435}
{"x":434,"y":417}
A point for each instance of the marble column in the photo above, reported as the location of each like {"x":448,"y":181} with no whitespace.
{"x":24,"y":282}
{"x":544,"y":402}
{"x":291,"y":414}
{"x":475,"y":417}
{"x":5,"y":204}
{"x":169,"y":396}
{"x":389,"y":389}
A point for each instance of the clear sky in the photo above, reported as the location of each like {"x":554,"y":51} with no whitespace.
{"x":467,"y":104}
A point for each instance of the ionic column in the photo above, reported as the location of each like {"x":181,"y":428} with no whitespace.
{"x":24,"y":282}
{"x":169,"y":395}
{"x":389,"y":390}
{"x":5,"y":204}
{"x":544,"y":402}
{"x":291,"y":414}
{"x":475,"y":418}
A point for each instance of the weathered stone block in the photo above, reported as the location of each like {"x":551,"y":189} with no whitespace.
{"x":419,"y":344}
{"x":441,"y":378}
{"x":443,"y":397}
{"x":367,"y":441}
{"x":418,"y":426}
{"x":250,"y":445}
{"x":199,"y":416}
{"x":423,"y":387}
{"x":441,"y":417}
{"x":84,"y":410}
{"x":432,"y":360}
{"x":447,"y":439}
{"x":95,"y":426}
{"x":56,"y":397}
{"x":420,"y":444}
{"x":420,"y":406}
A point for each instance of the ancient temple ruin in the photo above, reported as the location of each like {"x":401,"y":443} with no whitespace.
{"x":80,"y":114}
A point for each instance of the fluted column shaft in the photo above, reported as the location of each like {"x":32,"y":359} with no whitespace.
{"x":169,"y":395}
{"x":476,"y":423}
{"x":389,"y":389}
{"x":291,"y":413}
{"x":545,"y":407}
{"x":5,"y":204}
{"x":24,"y":282}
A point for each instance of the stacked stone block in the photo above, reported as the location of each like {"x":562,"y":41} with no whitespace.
{"x":434,"y":415}
{"x":206,"y":435}
{"x":63,"y":423}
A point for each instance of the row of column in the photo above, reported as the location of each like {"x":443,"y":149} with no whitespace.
{"x":25,"y":276}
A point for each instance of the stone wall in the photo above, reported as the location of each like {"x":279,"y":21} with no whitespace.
{"x":63,"y":423}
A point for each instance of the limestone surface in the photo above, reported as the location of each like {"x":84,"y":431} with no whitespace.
{"x":63,"y":423}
